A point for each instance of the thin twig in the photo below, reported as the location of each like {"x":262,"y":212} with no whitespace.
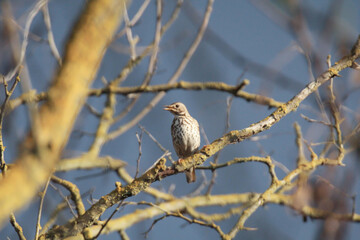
{"x":65,"y":198}
{"x":92,"y":110}
{"x":316,"y":121}
{"x":335,"y":114}
{"x":51,"y":40}
{"x":42,"y":197}
{"x":17,"y":227}
{"x":8,"y":94}
{"x":139,"y":139}
{"x":132,"y":41}
{"x":74,"y":192}
{"x":156,"y":142}
{"x":109,"y":218}
{"x":217,"y":155}
{"x":53,"y":217}
{"x":135,"y":19}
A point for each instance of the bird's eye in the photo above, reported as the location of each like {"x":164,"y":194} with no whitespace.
{"x":177,"y":105}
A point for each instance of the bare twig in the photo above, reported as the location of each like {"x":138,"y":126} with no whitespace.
{"x":93,"y":110}
{"x":108,"y":220}
{"x":42,"y":197}
{"x":336,"y":115}
{"x":53,"y":217}
{"x":316,"y":121}
{"x":217,"y":155}
{"x":139,"y":139}
{"x":135,"y":19}
{"x":132,"y":41}
{"x":65,"y":198}
{"x":17,"y":227}
{"x":74,"y":192}
{"x":8,"y":94}
{"x":156,"y":142}
{"x":51,"y":40}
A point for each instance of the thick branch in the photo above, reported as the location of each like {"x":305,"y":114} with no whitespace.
{"x":53,"y":123}
{"x":88,"y":162}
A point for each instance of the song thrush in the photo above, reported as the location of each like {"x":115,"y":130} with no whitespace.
{"x":185,"y":135}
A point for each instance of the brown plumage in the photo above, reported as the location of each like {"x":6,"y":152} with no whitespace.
{"x":185,"y":134}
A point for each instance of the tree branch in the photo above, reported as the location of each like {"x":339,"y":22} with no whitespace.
{"x":66,"y":96}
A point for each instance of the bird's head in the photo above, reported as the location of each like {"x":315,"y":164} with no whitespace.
{"x":178,"y":109}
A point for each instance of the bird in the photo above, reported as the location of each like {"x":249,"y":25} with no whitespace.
{"x":185,"y":135}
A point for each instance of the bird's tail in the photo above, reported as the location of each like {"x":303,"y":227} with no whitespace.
{"x":190,"y":175}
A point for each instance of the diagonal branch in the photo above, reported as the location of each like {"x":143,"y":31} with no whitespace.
{"x":66,"y":96}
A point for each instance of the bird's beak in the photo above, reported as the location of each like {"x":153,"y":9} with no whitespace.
{"x":168,"y":108}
